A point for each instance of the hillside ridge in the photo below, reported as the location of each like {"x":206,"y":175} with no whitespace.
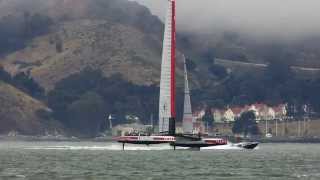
{"x":21,"y":113}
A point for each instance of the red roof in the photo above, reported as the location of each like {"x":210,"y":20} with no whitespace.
{"x":237,"y":110}
{"x":214,"y":109}
{"x":279,"y":108}
{"x":259,"y":106}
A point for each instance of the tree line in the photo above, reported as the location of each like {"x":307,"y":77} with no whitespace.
{"x":24,"y":82}
{"x":84,"y":100}
{"x":17,"y":30}
{"x":277,"y":84}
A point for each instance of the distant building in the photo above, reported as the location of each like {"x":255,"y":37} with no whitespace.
{"x":125,"y":129}
{"x":268,"y":114}
{"x":179,"y":128}
{"x":217,"y":116}
{"x":237,"y":111}
{"x":199,"y":114}
{"x":261,"y":111}
{"x":199,"y":127}
{"x":280,"y":111}
{"x":228,"y":116}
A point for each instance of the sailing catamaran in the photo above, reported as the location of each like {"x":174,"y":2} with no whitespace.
{"x":167,"y":110}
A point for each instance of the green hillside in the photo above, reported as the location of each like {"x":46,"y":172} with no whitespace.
{"x":21,"y":113}
{"x":73,"y":55}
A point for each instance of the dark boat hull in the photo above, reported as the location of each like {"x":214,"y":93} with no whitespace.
{"x":192,"y":144}
{"x":147,"y":140}
{"x":144,"y":142}
{"x":204,"y":142}
{"x":248,"y":145}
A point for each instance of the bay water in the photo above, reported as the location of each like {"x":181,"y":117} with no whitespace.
{"x":103,"y":161}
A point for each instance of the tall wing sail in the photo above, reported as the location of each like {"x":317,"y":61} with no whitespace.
{"x":167,"y":82}
{"x":187,"y":111}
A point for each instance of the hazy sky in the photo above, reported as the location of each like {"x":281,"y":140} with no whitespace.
{"x":286,"y":19}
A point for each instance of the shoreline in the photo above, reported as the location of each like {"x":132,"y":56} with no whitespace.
{"x":4,"y":138}
{"x":290,"y":140}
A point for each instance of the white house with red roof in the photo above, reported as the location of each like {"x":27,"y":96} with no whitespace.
{"x":267,"y":113}
{"x":237,"y":111}
{"x":223,"y":115}
{"x":261,"y":111}
{"x":228,"y":116}
{"x":280,"y":111}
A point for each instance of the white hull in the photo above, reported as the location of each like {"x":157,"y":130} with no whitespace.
{"x":130,"y":147}
{"x":222,"y":147}
{"x":108,"y":147}
{"x":142,"y":147}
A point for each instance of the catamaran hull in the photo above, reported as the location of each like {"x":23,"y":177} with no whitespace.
{"x":205,"y":142}
{"x":146,"y":140}
{"x":193,"y":144}
{"x":171,"y":140}
{"x":149,"y":147}
{"x":247,"y":145}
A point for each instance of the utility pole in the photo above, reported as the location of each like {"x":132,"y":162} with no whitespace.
{"x":110,"y":122}
{"x":304,"y":126}
{"x":151,"y":120}
{"x":276,"y":127}
{"x":266,"y":127}
{"x":284,"y":126}
{"x":305,"y":116}
{"x":299,"y":128}
{"x":151,"y":123}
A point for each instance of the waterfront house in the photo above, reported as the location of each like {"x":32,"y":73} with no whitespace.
{"x":265,"y":112}
{"x":125,"y":129}
{"x":228,"y":116}
{"x":217,"y":116}
{"x":280,"y":111}
{"x":198,"y":115}
{"x":237,"y":111}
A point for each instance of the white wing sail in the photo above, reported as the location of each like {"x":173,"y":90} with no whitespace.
{"x":187,"y":111}
{"x":166,"y":72}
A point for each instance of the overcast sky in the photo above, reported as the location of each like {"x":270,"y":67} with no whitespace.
{"x":286,"y":19}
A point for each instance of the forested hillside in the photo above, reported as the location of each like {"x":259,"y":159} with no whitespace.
{"x":85,"y":59}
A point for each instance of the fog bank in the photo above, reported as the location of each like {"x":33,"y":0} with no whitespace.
{"x":284,"y":19}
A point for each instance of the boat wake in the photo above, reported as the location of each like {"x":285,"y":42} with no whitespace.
{"x":223,"y":147}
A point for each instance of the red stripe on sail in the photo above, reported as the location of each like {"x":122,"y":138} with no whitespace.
{"x":173,"y":58}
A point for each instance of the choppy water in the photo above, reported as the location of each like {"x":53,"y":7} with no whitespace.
{"x":90,"y":161}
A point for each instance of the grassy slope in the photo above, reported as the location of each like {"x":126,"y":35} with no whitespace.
{"x":88,"y":40}
{"x":113,"y":48}
{"x":240,"y":68}
{"x":18,"y":112}
{"x":104,"y":34}
{"x":96,"y":37}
